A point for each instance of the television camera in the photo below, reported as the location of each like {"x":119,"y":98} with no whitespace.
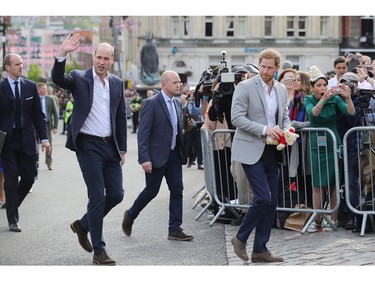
{"x":227,"y":78}
{"x":364,"y":97}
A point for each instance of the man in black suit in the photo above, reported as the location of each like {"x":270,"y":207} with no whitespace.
{"x":161,"y":153}
{"x":21,"y":117}
{"x":98,"y":136}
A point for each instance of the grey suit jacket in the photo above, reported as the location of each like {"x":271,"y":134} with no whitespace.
{"x":249,"y":116}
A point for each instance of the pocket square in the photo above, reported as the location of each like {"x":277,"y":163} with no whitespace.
{"x":30,"y":98}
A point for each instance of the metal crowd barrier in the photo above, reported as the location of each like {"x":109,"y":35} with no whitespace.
{"x":226,"y":192}
{"x":359,"y":172}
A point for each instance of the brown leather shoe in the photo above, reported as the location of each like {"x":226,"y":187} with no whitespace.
{"x":82,"y":236}
{"x":179,"y":236}
{"x":239,"y":248}
{"x":127,"y":224}
{"x":103,"y":259}
{"x":265,"y":257}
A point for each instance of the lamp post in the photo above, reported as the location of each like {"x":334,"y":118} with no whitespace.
{"x":3,"y":33}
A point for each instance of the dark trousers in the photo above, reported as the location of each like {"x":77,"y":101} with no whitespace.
{"x":263,"y":178}
{"x":19,"y":174}
{"x":172,"y":171}
{"x":194,"y":146}
{"x":102,"y":172}
{"x":135,"y":119}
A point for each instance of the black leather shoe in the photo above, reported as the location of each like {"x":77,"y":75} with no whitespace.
{"x":127,"y":224}
{"x":15,"y":227}
{"x":82,"y":236}
{"x":200,"y":167}
{"x":103,"y":259}
{"x":179,"y":236}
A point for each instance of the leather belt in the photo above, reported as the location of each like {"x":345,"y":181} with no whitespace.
{"x":98,"y":138}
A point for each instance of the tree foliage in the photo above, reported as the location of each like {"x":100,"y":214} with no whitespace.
{"x":73,"y":65}
{"x":34,"y":72}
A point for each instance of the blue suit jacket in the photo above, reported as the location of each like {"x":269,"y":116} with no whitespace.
{"x":33,"y":119}
{"x":155,"y":132}
{"x":81,"y":84}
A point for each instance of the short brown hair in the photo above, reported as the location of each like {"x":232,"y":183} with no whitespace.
{"x":270,"y":54}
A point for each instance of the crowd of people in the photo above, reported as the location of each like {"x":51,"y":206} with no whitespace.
{"x":262,"y":102}
{"x":314,"y":100}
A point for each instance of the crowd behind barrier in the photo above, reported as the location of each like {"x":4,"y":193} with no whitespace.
{"x":295,"y":190}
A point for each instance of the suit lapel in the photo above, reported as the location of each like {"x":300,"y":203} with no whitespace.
{"x":90,"y":85}
{"x":261,"y":94}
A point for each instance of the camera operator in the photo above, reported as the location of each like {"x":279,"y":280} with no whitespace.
{"x":344,"y":122}
{"x":216,"y":117}
{"x":223,"y":93}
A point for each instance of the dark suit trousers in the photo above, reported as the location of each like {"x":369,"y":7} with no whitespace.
{"x":102,"y":172}
{"x":172,"y":171}
{"x":17,"y":163}
{"x":263,"y":178}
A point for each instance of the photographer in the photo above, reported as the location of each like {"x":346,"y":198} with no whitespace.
{"x":216,"y":118}
{"x":223,"y":93}
{"x":344,"y":122}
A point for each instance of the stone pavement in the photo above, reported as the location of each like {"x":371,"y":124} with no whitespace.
{"x":341,"y":247}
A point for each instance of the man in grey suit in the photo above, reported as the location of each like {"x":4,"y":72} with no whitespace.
{"x":258,"y":105}
{"x":49,"y":108}
{"x":161,"y":152}
{"x":98,"y":136}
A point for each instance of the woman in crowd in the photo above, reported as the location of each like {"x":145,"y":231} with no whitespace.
{"x":322,"y":108}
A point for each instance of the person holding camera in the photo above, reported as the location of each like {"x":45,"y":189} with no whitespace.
{"x":344,"y":123}
{"x":259,"y":104}
{"x":217,"y":117}
{"x":322,"y":108}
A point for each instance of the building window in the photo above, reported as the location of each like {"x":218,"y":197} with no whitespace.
{"x":186,"y":26}
{"x":296,"y":26}
{"x":230,"y":26}
{"x":290,"y":27}
{"x":324,"y":26}
{"x":208,"y":27}
{"x":268,"y":24}
{"x":175,"y":27}
{"x":241,"y":26}
{"x":302,"y":26}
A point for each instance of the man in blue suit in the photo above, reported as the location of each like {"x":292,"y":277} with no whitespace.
{"x":161,"y":153}
{"x":98,"y":136}
{"x":21,"y":117}
{"x":258,"y":105}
